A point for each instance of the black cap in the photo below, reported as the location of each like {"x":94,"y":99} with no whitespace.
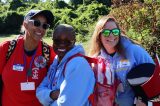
{"x":48,"y":14}
{"x":138,"y":76}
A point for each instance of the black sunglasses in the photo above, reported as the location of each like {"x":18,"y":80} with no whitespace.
{"x":107,"y":32}
{"x":37,"y":23}
{"x":65,"y":42}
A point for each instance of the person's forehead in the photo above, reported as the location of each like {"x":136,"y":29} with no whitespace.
{"x":110,"y":25}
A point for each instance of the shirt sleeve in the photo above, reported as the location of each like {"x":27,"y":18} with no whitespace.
{"x":141,"y":55}
{"x":78,"y":84}
{"x":137,"y":55}
{"x":43,"y":91}
{"x":3,"y":53}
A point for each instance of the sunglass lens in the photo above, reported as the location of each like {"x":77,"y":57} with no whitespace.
{"x":106,"y":32}
{"x":46,"y":26}
{"x":37,"y":23}
{"x":116,"y":32}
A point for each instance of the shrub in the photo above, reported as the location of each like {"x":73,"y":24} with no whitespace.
{"x":11,"y":23}
{"x":143,"y":21}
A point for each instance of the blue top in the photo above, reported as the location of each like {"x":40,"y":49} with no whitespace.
{"x":135,"y":55}
{"x":75,"y":85}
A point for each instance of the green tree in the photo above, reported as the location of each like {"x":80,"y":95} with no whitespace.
{"x":10,"y":22}
{"x":76,"y":2}
{"x":35,"y":1}
{"x":105,"y":2}
{"x":14,"y":4}
{"x":141,"y":22}
{"x":60,"y":4}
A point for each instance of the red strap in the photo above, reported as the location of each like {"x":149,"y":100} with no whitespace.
{"x":103,"y":69}
{"x":89,"y":59}
{"x":91,"y":99}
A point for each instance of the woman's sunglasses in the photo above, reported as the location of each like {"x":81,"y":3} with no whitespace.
{"x":37,"y":23}
{"x":107,"y":32}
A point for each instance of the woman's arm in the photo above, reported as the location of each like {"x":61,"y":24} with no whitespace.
{"x":78,"y":84}
{"x":43,"y":92}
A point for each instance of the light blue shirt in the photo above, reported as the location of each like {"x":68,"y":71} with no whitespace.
{"x":75,"y":85}
{"x":135,"y":55}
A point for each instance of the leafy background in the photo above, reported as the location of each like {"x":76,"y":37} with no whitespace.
{"x":140,"y":19}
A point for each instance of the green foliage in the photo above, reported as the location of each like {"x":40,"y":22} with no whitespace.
{"x":105,"y":2}
{"x":64,"y":16}
{"x":87,"y":2}
{"x":61,"y":4}
{"x":141,"y":21}
{"x":76,"y":2}
{"x":90,"y":15}
{"x":3,"y":8}
{"x":14,"y":4}
{"x":80,"y":38}
{"x":49,"y":33}
{"x":10,"y":22}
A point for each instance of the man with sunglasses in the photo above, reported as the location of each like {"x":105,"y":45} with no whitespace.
{"x":27,"y":64}
{"x":69,"y":81}
{"x":121,"y":55}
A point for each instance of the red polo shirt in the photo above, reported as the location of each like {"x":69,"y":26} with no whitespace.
{"x":14,"y":72}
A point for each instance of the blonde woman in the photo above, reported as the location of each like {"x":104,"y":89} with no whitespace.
{"x":121,"y":54}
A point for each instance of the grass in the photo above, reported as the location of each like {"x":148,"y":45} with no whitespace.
{"x":6,"y":37}
{"x":48,"y":40}
{"x":10,"y":37}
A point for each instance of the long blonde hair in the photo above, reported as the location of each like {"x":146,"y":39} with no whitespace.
{"x":96,"y":44}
